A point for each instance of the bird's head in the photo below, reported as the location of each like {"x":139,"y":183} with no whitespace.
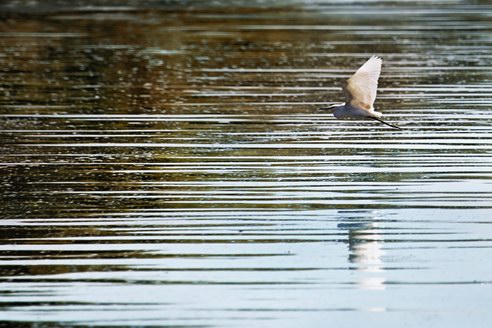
{"x":331,"y":108}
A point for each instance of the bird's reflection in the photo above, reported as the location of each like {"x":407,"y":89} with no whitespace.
{"x":365,"y":246}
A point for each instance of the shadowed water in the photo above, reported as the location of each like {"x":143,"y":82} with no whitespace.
{"x":170,"y":167}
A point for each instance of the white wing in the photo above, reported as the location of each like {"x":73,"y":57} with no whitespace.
{"x":361,"y":88}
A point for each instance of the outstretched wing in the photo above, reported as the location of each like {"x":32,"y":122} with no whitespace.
{"x":361,"y":88}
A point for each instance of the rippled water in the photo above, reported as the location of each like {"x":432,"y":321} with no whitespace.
{"x":170,"y":167}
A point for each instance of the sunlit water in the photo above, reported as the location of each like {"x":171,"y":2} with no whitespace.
{"x":170,"y":168}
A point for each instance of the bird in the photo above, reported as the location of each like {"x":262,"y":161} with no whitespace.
{"x":360,"y":94}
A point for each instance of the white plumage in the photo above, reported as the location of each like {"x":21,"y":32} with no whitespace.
{"x":361,"y":88}
{"x":360,"y":92}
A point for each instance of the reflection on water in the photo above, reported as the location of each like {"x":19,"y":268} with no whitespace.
{"x":365,"y":246}
{"x":170,"y":168}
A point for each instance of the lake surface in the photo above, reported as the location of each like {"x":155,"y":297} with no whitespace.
{"x":169,"y":166}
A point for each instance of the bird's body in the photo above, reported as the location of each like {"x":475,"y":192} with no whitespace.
{"x":360,"y":92}
{"x":347,"y":111}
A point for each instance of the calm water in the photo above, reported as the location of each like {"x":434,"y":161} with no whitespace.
{"x":170,"y":168}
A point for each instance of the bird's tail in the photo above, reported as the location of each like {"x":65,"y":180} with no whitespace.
{"x":381,"y":121}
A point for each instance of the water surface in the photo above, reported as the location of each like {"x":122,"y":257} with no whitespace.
{"x":170,"y":167}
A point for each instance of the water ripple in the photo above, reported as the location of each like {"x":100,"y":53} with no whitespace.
{"x":171,"y":167}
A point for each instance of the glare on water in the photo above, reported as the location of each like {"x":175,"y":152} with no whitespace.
{"x":169,"y":167}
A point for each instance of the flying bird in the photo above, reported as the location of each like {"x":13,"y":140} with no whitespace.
{"x":360,"y":94}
